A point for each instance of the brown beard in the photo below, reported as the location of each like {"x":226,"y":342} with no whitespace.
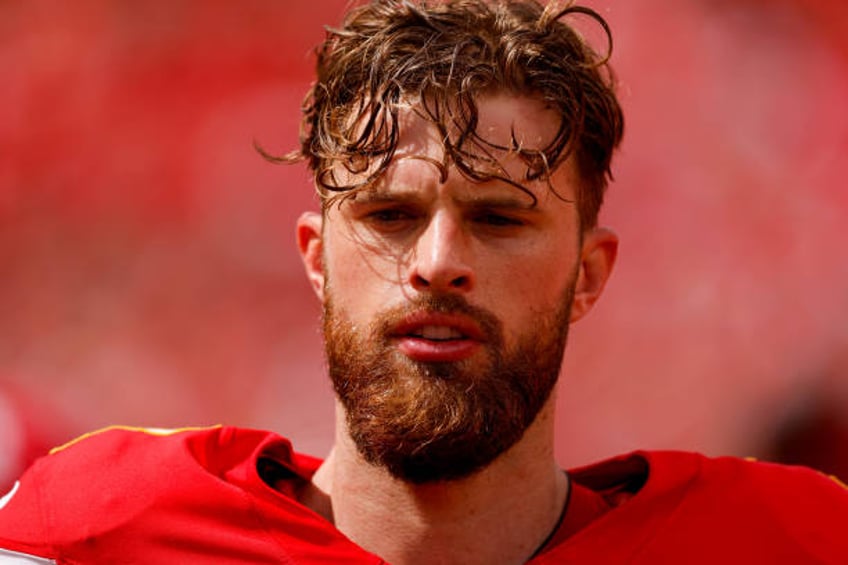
{"x":426,"y":422}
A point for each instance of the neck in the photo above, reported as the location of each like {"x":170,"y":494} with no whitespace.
{"x":501,"y":514}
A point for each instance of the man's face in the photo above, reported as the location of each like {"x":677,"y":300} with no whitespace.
{"x":447,"y":302}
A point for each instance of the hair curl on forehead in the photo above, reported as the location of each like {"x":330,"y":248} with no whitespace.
{"x":443,"y":56}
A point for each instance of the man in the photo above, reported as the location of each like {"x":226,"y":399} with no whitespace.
{"x":461,"y":151}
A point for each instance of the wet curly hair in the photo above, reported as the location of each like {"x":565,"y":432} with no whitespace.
{"x":442,"y":56}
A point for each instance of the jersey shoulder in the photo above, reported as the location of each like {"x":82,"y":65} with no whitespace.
{"x":789,"y":489}
{"x":686,"y":507}
{"x":778,"y":510}
{"x":746,"y":486}
{"x":106,"y":479}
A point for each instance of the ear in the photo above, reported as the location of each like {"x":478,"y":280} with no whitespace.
{"x":600,"y":246}
{"x":310,"y":244}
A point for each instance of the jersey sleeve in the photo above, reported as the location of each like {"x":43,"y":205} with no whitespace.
{"x":84,"y":488}
{"x":813,"y":506}
{"x":22,"y":524}
{"x":797,"y":512}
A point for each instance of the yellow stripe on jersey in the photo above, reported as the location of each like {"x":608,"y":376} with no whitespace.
{"x":148,"y":431}
{"x":836,"y":480}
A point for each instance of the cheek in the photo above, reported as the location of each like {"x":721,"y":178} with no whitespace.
{"x":532,"y":287}
{"x":355,"y":284}
{"x":530,"y":291}
{"x":353,"y":260}
{"x":538,"y":265}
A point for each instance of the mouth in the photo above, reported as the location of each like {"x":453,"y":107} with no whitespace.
{"x":437,"y":338}
{"x":437,"y":333}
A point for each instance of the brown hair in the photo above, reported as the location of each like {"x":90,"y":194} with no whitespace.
{"x":442,"y":56}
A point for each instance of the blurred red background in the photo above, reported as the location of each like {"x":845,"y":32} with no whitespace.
{"x":148,"y":274}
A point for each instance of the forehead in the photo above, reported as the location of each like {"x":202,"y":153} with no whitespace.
{"x":505,"y":123}
{"x":508,"y":120}
{"x":508,"y":129}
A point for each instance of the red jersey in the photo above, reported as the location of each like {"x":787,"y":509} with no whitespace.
{"x":205,"y":496}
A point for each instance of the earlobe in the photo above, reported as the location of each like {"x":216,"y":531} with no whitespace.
{"x":310,"y":244}
{"x":600,"y":247}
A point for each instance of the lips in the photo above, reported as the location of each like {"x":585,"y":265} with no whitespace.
{"x":438,"y":333}
{"x":437,"y":338}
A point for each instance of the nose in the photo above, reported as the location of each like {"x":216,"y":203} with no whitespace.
{"x":441,"y":262}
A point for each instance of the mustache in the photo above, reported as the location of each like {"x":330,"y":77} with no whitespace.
{"x":489,"y":324}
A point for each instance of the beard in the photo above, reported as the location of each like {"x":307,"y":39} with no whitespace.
{"x":426,"y":422}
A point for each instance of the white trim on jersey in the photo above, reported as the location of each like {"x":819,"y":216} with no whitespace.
{"x":14,"y":558}
{"x":8,"y":496}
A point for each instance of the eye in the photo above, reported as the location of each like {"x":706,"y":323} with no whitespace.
{"x":388,"y":216}
{"x":498,"y":220}
{"x":389,"y":220}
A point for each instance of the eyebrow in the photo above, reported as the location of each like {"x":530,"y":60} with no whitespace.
{"x":373,"y":197}
{"x":382,"y":195}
